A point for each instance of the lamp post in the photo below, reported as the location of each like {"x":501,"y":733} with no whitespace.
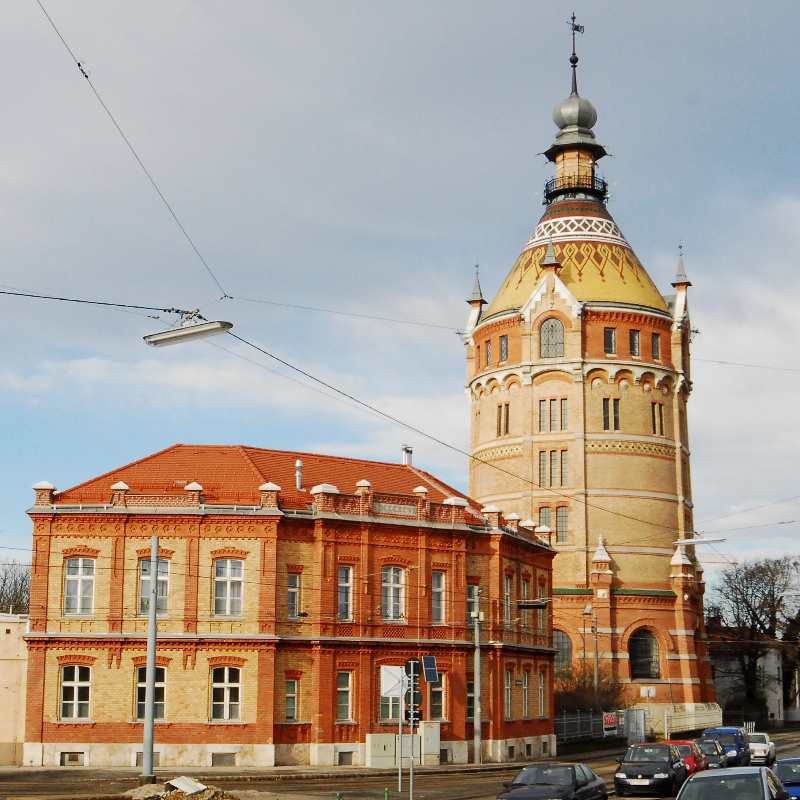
{"x":589,"y":612}
{"x":148,"y":774}
{"x":476,"y":680}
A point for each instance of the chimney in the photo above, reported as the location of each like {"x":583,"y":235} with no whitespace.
{"x":407,"y":450}
{"x":298,"y":474}
{"x":44,"y":493}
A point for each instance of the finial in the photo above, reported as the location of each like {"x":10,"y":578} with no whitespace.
{"x":477,"y":293}
{"x":573,"y":59}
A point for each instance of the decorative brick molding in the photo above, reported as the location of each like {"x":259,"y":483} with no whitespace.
{"x":77,"y":659}
{"x":226,"y":661}
{"x":229,"y":552}
{"x":293,"y":674}
{"x":295,"y":568}
{"x":81,"y":550}
{"x":163,"y":552}
{"x":141,"y":661}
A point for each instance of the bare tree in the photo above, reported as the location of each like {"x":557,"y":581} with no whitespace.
{"x":751,"y":612}
{"x":15,"y":584}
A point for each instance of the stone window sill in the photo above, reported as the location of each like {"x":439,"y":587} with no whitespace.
{"x":75,"y":722}
{"x":346,"y":722}
{"x":226,"y":722}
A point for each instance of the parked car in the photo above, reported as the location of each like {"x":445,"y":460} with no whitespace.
{"x":739,"y":783}
{"x":714,"y":752}
{"x":553,"y":779}
{"x":694,"y":758}
{"x":788,"y":770}
{"x":735,"y":742}
{"x":762,"y":749}
{"x":650,"y":769}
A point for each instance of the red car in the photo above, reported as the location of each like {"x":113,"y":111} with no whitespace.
{"x":694,"y":758}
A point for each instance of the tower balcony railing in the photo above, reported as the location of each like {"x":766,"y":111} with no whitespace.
{"x":565,"y":184}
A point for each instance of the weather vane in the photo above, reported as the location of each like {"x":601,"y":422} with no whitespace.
{"x":573,"y":60}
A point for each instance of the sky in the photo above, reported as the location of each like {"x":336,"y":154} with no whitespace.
{"x":362,"y":157}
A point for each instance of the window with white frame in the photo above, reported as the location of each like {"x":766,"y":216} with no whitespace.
{"x":507,"y":693}
{"x":162,"y":585}
{"x":159,"y":693}
{"x":655,"y":344}
{"x":503,"y":348}
{"x":554,"y":415}
{"x":610,"y":414}
{"x":76,"y":682}
{"x":610,"y":340}
{"x":553,"y":467}
{"x":525,"y":701}
{"x":542,"y":695}
{"x":543,"y":427}
{"x":546,"y":517}
{"x":437,"y":597}
{"x":393,"y":591}
{"x":291,"y":700}
{"x":470,"y":699}
{"x":228,"y":581}
{"x":473,"y":602}
{"x":436,"y":698}
{"x":526,"y":594}
{"x":344,"y":594}
{"x":634,"y":337}
{"x":562,"y":525}
{"x":389,"y":707}
{"x":565,"y":467}
{"x":293,"y":588}
{"x":508,"y":583}
{"x":564,"y":414}
{"x":79,"y":586}
{"x":543,"y":468}
{"x":551,"y":339}
{"x":344,"y":692}
{"x":226,"y":690}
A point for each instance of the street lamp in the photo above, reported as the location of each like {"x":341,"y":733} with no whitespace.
{"x":193,"y":326}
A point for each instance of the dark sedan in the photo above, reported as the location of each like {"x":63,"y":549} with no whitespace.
{"x":715,"y":752}
{"x":788,"y":770}
{"x":650,"y":769}
{"x":736,"y":783}
{"x":557,"y":781}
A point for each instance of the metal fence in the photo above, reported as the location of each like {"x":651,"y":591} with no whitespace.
{"x":584,"y":725}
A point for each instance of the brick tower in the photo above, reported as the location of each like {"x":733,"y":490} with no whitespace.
{"x":578,"y":379}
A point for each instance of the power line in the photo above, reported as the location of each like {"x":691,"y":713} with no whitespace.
{"x":84,"y":301}
{"x":751,"y":508}
{"x":132,"y":149}
{"x":750,"y":366}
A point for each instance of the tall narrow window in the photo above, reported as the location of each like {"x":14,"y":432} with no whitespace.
{"x":503,"y":348}
{"x":478,"y":356}
{"x":506,"y":416}
{"x":344,"y":594}
{"x":551,"y":339}
{"x":564,"y":414}
{"x":606,"y":414}
{"x":561,"y":524}
{"x":545,"y":517}
{"x":633,"y":340}
{"x":437,"y":699}
{"x":543,"y":416}
{"x":293,"y":587}
{"x":75,"y":689}
{"x":526,"y":593}
{"x":655,"y":342}
{"x":437,"y":598}
{"x":542,"y":695}
{"x":507,"y":587}
{"x":225,"y":693}
{"x":487,"y":349}
{"x":554,"y":415}
{"x":644,"y":656}
{"x":525,"y":704}
{"x":616,"y":413}
{"x":344,"y":704}
{"x":291,"y":696}
{"x":553,"y":467}
{"x":660,"y":419}
{"x":654,"y":417}
{"x":499,"y":419}
{"x":610,"y":340}
{"x":543,"y":468}
{"x":563,"y":647}
{"x":473,"y":602}
{"x":393,"y":585}
{"x":565,"y":468}
{"x":470,"y":699}
{"x":159,"y":692}
{"x":162,"y":586}
{"x":79,"y":586}
{"x":228,"y":580}
{"x":507,"y":696}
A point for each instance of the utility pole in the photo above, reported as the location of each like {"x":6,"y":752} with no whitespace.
{"x":596,"y":656}
{"x":148,"y":774}
{"x":411,"y":730}
{"x":476,"y":679}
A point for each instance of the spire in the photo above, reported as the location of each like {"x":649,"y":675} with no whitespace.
{"x":550,"y":259}
{"x":477,"y":293}
{"x":681,"y":278}
{"x":573,"y":59}
{"x":601,"y":554}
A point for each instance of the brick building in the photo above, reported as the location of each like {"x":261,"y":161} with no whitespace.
{"x":277,"y":607}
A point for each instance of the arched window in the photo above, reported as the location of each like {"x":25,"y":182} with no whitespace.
{"x":643,"y":654}
{"x":563,"y":647}
{"x":551,"y":339}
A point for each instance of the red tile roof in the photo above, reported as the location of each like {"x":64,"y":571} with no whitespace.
{"x":231,"y":474}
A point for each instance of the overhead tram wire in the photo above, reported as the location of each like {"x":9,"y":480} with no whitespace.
{"x":133,"y":151}
{"x":84,"y":301}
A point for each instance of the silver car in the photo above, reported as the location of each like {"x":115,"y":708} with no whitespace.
{"x":762,"y":749}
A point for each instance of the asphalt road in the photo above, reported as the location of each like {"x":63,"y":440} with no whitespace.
{"x":85,"y":783}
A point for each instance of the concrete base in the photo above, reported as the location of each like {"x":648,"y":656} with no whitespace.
{"x":681,"y":717}
{"x":523,"y":748}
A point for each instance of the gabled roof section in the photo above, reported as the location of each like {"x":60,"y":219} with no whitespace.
{"x":231,"y":474}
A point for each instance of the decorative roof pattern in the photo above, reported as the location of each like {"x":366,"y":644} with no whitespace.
{"x":597,"y":261}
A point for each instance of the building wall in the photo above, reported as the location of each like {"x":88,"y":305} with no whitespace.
{"x":266,"y":645}
{"x":13,"y":669}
